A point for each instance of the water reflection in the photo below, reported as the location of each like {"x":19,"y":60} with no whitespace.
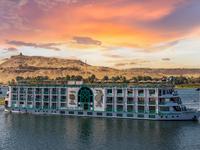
{"x":57,"y":132}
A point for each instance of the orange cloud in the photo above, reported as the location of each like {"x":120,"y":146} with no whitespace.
{"x":114,"y":23}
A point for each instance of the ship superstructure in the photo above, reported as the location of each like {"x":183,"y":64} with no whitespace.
{"x":154,"y":102}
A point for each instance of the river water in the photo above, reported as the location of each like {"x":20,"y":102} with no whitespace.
{"x":34,"y":132}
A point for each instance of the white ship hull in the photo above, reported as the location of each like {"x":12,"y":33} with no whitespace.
{"x":184,"y":116}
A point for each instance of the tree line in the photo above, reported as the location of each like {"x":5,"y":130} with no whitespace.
{"x":176,"y":80}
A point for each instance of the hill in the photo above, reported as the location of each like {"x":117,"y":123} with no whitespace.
{"x":32,"y":66}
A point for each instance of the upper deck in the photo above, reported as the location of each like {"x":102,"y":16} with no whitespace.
{"x":91,"y":85}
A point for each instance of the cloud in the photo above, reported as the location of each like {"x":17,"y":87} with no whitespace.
{"x":11,"y":49}
{"x":162,"y":46}
{"x":113,"y":55}
{"x":166,"y":59}
{"x":127,"y":63}
{"x":139,"y":25}
{"x":86,"y":40}
{"x":50,"y":46}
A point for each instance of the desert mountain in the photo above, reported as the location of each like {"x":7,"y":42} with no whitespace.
{"x":32,"y":66}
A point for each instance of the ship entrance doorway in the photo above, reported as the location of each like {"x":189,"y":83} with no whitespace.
{"x":85,"y":98}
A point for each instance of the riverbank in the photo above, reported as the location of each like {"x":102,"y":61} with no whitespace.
{"x":187,"y":86}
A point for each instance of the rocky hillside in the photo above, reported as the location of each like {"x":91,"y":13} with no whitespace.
{"x":32,"y":66}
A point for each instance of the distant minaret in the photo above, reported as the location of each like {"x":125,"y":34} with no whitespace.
{"x":20,"y":54}
{"x":86,"y":66}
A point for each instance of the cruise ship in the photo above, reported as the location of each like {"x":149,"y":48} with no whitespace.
{"x":75,"y":98}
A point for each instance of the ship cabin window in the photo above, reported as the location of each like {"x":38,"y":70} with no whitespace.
{"x":108,"y":114}
{"x":109,"y":91}
{"x":141,"y":100}
{"x":119,"y":115}
{"x":177,"y":108}
{"x":30,"y":98}
{"x":176,"y":100}
{"x":38,"y":105}
{"x":120,"y":108}
{"x":164,"y":92}
{"x":22,"y":90}
{"x":152,"y":92}
{"x":29,"y":103}
{"x":119,"y":91}
{"x":14,"y":97}
{"x":63,"y":98}
{"x":159,"y":92}
{"x":62,"y":105}
{"x":63,"y":91}
{"x":38,"y":97}
{"x":163,"y":108}
{"x":54,"y":91}
{"x":141,"y":109}
{"x":109,"y":108}
{"x":152,"y":101}
{"x":130,"y":108}
{"x":129,"y":115}
{"x":152,"y":109}
{"x":99,"y":114}
{"x":46,"y":105}
{"x":129,"y":92}
{"x":109,"y":100}
{"x":54,"y":98}
{"x":161,"y":100}
{"x":53,"y":105}
{"x":130,"y":100}
{"x":22,"y":97}
{"x":120,"y":100}
{"x":14,"y":90}
{"x":141,"y":92}
{"x":46,"y":91}
{"x":21,"y":103}
{"x":30,"y":90}
{"x":46,"y":98}
{"x":38,"y":91}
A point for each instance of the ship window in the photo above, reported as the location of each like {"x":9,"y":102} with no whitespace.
{"x":109,"y":91}
{"x":129,"y":115}
{"x":140,"y":116}
{"x":130,"y":108}
{"x":152,"y":101}
{"x":162,"y":108}
{"x":130,"y":100}
{"x":71,"y":112}
{"x":177,"y":108}
{"x":99,"y":114}
{"x":152,"y":116}
{"x":89,"y":113}
{"x":129,"y":92}
{"x":109,"y":100}
{"x":108,"y":114}
{"x":119,"y":115}
{"x":120,"y":100}
{"x":152,"y":92}
{"x":62,"y":105}
{"x":80,"y":113}
{"x":119,"y":91}
{"x":140,"y":92}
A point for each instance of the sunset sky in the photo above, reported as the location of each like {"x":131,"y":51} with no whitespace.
{"x":115,"y":33}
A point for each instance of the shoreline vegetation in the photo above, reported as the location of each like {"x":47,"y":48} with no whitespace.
{"x":176,"y":81}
